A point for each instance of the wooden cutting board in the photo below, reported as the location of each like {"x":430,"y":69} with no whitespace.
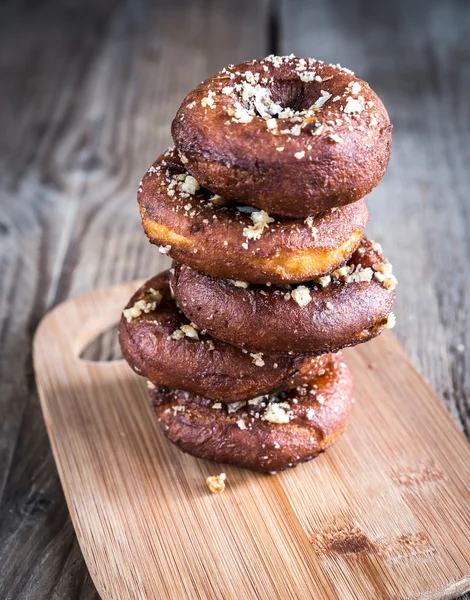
{"x":383,"y":514}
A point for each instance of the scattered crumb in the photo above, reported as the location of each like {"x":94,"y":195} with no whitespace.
{"x":216,"y":483}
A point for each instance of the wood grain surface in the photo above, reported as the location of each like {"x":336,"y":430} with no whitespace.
{"x":384,"y":514}
{"x":88,"y":93}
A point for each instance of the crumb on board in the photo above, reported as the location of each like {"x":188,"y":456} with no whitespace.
{"x":216,"y":483}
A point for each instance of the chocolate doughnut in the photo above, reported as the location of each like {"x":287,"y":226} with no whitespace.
{"x":293,"y":137}
{"x":159,"y":343}
{"x":350,"y":306}
{"x":189,"y":224}
{"x":268,"y":433}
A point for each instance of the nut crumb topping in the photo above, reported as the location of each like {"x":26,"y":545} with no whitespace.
{"x":309,"y":222}
{"x":310,"y":414}
{"x":278,"y":412}
{"x":234,"y":406}
{"x":260,"y":219}
{"x":301,"y":294}
{"x":376,"y":247}
{"x":151,"y":299}
{"x":390,"y":321}
{"x":208,"y":100}
{"x":383,"y":274}
{"x":258,"y":359}
{"x":258,"y":401}
{"x":190,"y":185}
{"x":240,"y":284}
{"x":354,"y":105}
{"x":190,"y":331}
{"x":216,"y":483}
{"x":335,"y":138}
{"x":164,"y":249}
{"x":323,"y":281}
{"x":355,"y":273}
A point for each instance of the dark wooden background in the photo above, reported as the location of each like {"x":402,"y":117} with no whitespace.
{"x":88,"y":91}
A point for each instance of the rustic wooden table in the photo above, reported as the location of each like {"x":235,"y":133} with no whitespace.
{"x":89,"y":92}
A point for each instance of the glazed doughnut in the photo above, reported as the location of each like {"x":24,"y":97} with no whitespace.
{"x":268,"y":433}
{"x":224,"y":241}
{"x":159,"y":343}
{"x":351,"y":306}
{"x":293,"y":137}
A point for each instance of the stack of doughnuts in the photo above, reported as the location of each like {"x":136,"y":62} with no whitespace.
{"x":261,"y":204}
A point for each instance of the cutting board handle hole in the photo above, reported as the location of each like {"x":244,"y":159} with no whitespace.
{"x":104,"y":347}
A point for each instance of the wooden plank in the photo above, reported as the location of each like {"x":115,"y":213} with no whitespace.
{"x":384,"y":514}
{"x":415,"y":56}
{"x":90,"y":91}
{"x":54,"y":149}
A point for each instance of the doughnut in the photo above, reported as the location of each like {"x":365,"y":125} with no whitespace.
{"x":160,"y":344}
{"x":268,"y":433}
{"x":189,"y":224}
{"x":293,"y":137}
{"x":350,"y":306}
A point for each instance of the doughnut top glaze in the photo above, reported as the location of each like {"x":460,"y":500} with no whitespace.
{"x":263,"y":130}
